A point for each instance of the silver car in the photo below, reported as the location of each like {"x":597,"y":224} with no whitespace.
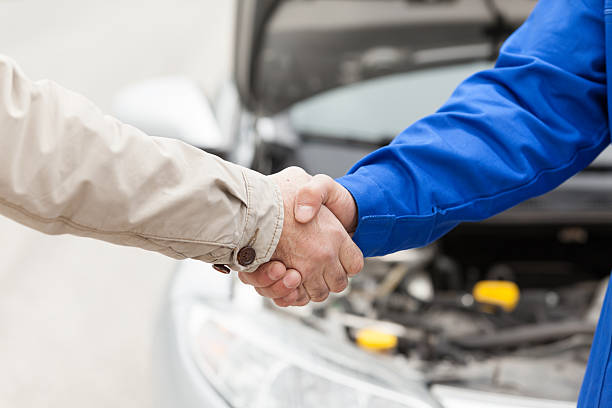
{"x":496,"y":314}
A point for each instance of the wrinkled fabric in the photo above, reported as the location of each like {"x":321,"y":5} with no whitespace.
{"x":505,"y":135}
{"x":67,"y":168}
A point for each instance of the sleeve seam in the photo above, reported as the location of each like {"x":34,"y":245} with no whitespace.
{"x":277,"y":224}
{"x":602,"y":133}
{"x":85,"y":228}
{"x":381,"y":191}
{"x":590,"y":7}
{"x":248,"y":208}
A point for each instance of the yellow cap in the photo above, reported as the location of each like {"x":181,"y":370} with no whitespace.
{"x":504,"y":294}
{"x":374,"y":340}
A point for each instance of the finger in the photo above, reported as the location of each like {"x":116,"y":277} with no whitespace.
{"x":336,"y":278}
{"x":351,"y":257}
{"x":283,"y":287}
{"x":303,"y":298}
{"x":282,"y":303}
{"x":264,"y":276}
{"x":297,"y":298}
{"x":323,"y":190}
{"x":317,"y":288}
{"x":287,"y":300}
{"x":311,"y":196}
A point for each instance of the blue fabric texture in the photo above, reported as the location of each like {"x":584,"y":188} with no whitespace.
{"x":505,"y":135}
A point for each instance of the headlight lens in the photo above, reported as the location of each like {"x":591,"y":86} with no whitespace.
{"x":267,"y":361}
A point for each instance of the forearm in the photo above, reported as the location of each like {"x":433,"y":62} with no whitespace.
{"x":67,"y":168}
{"x":506,"y":135}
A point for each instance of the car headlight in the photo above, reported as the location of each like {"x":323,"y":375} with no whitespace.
{"x":266,"y":360}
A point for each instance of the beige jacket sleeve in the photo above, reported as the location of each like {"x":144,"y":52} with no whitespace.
{"x":66,"y":168}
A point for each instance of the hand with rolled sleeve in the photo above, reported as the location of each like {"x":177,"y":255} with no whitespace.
{"x":320,"y":244}
{"x":66,"y":168}
{"x":314,"y":195}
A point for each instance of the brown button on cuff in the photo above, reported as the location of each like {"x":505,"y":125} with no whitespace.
{"x":221,"y":268}
{"x":246,"y":256}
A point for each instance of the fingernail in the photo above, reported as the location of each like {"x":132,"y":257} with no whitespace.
{"x":276,"y":272}
{"x":304,"y":212}
{"x":292,"y":280}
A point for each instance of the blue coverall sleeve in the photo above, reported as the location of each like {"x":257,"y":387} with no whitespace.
{"x":505,"y":135}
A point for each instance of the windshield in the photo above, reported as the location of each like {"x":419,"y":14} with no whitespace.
{"x":381,"y":108}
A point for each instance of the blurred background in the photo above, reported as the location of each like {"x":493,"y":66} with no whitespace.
{"x":76,"y":315}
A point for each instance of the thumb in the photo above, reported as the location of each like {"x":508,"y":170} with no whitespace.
{"x":323,"y":190}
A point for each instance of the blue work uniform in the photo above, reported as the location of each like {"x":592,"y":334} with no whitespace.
{"x":505,"y":135}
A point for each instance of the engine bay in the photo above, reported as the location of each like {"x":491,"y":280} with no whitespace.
{"x":489,"y":307}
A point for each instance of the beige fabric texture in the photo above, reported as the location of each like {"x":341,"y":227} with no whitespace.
{"x":66,"y":168}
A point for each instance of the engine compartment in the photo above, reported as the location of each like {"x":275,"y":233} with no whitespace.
{"x":425,"y":298}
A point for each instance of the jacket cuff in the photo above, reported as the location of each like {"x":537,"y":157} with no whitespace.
{"x":374,"y":223}
{"x":263,"y":224}
{"x":379,"y":231}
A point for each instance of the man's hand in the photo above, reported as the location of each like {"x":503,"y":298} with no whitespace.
{"x":323,"y":190}
{"x":320,"y":249}
{"x":304,"y":197}
{"x":273,"y":280}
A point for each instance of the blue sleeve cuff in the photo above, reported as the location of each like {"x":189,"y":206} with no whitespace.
{"x":377,"y":228}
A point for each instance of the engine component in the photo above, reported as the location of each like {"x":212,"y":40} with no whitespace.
{"x":523,"y":335}
{"x":376,"y":340}
{"x":497,"y":293}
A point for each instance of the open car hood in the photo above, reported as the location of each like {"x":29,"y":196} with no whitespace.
{"x":289,"y":50}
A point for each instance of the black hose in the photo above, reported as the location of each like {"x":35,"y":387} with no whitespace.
{"x":518,"y":336}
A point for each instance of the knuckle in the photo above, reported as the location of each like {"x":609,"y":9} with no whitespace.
{"x":302,"y":294}
{"x":269,"y":293}
{"x":280,"y":303}
{"x":280,"y":292}
{"x":259,"y":277}
{"x":308,"y":193}
{"x":322,"y":177}
{"x":358,"y":266}
{"x":343,"y":239}
{"x":290,"y":298}
{"x":360,"y":261}
{"x":296,"y":169}
{"x":339,"y":235}
{"x":319,"y":295}
{"x":256,"y":279}
{"x":291,"y":281}
{"x":340,"y":283}
{"x":301,"y":302}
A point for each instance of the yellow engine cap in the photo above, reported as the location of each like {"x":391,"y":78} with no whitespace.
{"x":374,"y":340}
{"x":504,"y":294}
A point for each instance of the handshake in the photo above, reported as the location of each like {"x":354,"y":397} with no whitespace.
{"x":315,"y":254}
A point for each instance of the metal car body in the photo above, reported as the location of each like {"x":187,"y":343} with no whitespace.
{"x":319,"y":84}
